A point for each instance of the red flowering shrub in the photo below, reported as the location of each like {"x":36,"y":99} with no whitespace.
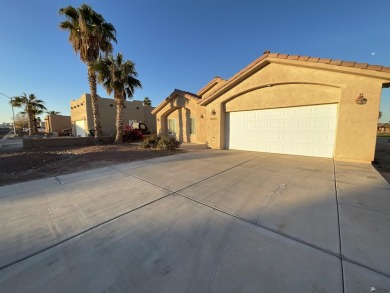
{"x":129,"y":133}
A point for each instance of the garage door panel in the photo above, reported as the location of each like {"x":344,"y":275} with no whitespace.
{"x":308,"y":130}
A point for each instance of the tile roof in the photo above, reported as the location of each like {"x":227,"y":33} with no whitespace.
{"x":326,"y":61}
{"x":268,"y":55}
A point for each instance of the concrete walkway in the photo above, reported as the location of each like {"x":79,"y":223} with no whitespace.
{"x":202,"y":221}
{"x":9,"y":142}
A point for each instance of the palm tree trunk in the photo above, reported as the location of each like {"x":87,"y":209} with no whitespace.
{"x":94,"y":101}
{"x":30,"y":123}
{"x":119,"y":100}
{"x":35,"y":121}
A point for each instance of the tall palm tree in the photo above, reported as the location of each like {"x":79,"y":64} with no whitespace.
{"x":32,"y":107}
{"x":118,"y":76}
{"x":90,"y":36}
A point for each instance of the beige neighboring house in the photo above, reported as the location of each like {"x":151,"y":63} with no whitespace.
{"x":55,"y":123}
{"x":286,"y":104}
{"x":82,"y":119}
{"x":383,"y":127}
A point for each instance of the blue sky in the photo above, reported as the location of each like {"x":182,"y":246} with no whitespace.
{"x":183,"y":44}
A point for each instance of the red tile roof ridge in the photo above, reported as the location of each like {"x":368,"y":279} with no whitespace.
{"x":273,"y":55}
{"x":328,"y":61}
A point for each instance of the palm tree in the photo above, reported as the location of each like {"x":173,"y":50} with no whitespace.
{"x":36,"y":120}
{"x":32,"y":107}
{"x":118,"y":76}
{"x":90,"y":36}
{"x":53,"y":112}
{"x":147,"y":101}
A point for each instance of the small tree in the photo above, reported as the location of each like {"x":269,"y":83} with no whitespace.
{"x":21,"y":121}
{"x":147,"y":101}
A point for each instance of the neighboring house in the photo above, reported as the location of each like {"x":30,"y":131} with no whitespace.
{"x":55,"y":123}
{"x":82,"y":118}
{"x":284,"y":104}
{"x":383,"y":127}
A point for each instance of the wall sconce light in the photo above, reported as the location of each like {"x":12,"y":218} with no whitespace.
{"x":213,"y":112}
{"x":124,"y":106}
{"x":111,"y":105}
{"x":361,"y":100}
{"x":201,"y":116}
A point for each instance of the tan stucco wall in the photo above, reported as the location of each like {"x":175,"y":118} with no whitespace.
{"x":289,"y":83}
{"x":182,"y":109}
{"x":298,"y":86}
{"x":55,"y":123}
{"x":81,"y":109}
{"x":150,"y":119}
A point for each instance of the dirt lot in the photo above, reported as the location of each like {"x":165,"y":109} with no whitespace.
{"x":26,"y":165}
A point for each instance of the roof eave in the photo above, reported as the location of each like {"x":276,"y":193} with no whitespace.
{"x":265,"y":60}
{"x":247,"y":71}
{"x":171,"y":97}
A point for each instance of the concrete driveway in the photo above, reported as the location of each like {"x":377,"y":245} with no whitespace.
{"x":203,"y":221}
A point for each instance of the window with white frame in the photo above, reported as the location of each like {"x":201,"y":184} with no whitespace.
{"x":192,"y":126}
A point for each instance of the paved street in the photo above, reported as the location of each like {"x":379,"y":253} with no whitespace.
{"x":202,"y":221}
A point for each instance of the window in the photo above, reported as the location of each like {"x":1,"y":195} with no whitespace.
{"x":172,"y":126}
{"x":192,"y":126}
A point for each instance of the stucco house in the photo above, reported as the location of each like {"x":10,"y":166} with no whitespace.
{"x":82,"y":118}
{"x":383,"y":127}
{"x":56,"y":123}
{"x":286,"y":104}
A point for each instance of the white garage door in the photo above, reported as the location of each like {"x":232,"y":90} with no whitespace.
{"x":80,"y":128}
{"x":308,"y":131}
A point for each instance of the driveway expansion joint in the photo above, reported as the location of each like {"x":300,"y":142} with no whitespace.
{"x":338,"y":223}
{"x":113,"y":218}
{"x":81,"y":232}
{"x":337,"y":255}
{"x":364,"y":208}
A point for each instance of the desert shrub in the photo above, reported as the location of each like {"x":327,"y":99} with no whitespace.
{"x":129,"y":133}
{"x":162,"y":143}
{"x":150,"y":142}
{"x":168,"y":143}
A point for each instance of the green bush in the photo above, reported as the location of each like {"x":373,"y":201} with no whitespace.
{"x":162,"y":143}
